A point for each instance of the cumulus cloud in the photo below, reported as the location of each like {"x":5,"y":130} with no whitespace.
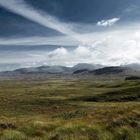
{"x":109,"y":22}
{"x":59,"y":52}
{"x":82,"y":51}
{"x":109,"y":48}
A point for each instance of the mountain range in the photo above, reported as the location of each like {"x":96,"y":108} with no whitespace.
{"x":56,"y":69}
{"x":79,"y":69}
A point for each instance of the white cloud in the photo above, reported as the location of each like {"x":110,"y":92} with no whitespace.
{"x":21,"y":8}
{"x":108,"y":22}
{"x":58,"y":40}
{"x":82,"y":51}
{"x":119,"y":46}
{"x":114,"y":47}
{"x":59,"y":52}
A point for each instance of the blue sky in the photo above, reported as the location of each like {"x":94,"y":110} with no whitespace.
{"x":67,"y":32}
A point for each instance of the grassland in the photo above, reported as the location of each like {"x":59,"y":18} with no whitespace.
{"x":69,"y":110}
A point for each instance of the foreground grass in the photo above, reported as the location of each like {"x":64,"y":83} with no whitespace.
{"x":69,"y":110}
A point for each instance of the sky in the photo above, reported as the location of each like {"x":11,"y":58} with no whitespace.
{"x":67,"y":32}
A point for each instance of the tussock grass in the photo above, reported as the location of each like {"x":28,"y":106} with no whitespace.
{"x":12,"y":135}
{"x":71,"y":115}
{"x":69,"y":110}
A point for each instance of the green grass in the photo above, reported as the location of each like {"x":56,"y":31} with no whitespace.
{"x":121,"y":95}
{"x":69,"y":110}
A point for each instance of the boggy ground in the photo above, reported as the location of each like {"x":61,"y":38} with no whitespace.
{"x":69,"y":110}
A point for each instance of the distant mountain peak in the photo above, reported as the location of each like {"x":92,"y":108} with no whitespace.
{"x":86,"y":66}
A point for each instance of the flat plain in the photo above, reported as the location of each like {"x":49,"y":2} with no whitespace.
{"x":69,"y":109}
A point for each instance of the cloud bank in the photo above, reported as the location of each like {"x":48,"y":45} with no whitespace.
{"x":108,"y":48}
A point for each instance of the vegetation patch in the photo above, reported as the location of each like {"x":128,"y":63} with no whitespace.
{"x":123,"y":95}
{"x":71,"y":115}
{"x":69,"y":110}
